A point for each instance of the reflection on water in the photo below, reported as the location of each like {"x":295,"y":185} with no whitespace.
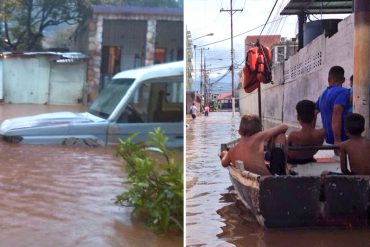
{"x":214,"y":216}
{"x":64,"y":196}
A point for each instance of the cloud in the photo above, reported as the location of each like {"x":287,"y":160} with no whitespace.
{"x":204,"y":16}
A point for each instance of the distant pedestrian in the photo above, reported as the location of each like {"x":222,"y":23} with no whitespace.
{"x":193,"y":111}
{"x":206,"y":111}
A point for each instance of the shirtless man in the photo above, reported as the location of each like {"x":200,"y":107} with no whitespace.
{"x":356,"y":148}
{"x":250,"y":148}
{"x":308,"y":135}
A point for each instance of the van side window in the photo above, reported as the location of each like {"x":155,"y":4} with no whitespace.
{"x":159,"y":100}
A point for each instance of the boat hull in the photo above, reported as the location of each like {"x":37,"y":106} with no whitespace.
{"x":304,"y":201}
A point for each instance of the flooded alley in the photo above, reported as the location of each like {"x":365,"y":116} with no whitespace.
{"x":64,"y":196}
{"x":214,"y":216}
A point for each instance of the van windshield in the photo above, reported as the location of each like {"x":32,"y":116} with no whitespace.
{"x":109,"y":97}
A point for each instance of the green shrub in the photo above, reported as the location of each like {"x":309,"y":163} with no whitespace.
{"x":156,"y":184}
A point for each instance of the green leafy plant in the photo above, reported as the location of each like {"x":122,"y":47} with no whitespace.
{"x":155,"y":181}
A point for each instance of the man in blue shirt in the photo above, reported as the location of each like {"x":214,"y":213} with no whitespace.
{"x":333,"y":105}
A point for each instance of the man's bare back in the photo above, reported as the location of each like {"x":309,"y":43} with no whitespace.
{"x":308,"y":135}
{"x":358,"y":152}
{"x":251,"y":152}
{"x":250,"y":149}
{"x":305,"y":137}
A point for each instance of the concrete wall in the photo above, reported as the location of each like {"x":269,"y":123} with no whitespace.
{"x":26,"y":80}
{"x":67,"y":83}
{"x":40,"y":80}
{"x":303,"y":76}
{"x":192,"y":97}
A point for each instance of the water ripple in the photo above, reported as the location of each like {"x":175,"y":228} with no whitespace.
{"x":216,"y":218}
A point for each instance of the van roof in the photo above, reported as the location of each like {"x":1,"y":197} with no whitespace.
{"x":153,"y":71}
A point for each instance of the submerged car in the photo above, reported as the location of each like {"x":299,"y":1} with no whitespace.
{"x":134,"y":101}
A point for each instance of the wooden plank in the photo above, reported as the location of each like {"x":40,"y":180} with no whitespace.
{"x":227,"y":146}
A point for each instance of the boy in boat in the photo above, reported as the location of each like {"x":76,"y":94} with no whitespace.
{"x":356,"y":148}
{"x":308,"y":135}
{"x":250,"y":148}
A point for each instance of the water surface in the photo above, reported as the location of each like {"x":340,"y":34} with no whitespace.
{"x":214,"y":216}
{"x":64,"y":196}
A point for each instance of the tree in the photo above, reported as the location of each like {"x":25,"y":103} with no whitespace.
{"x":24,"y":21}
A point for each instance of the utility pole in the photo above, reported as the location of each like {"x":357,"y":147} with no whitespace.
{"x":232,"y":11}
{"x":205,"y":81}
{"x":195,"y":59}
{"x":361,"y":73}
{"x":201,"y":71}
{"x":195,"y":63}
{"x":202,"y":81}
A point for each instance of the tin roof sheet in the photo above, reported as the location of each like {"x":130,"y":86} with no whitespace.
{"x":295,"y":7}
{"x":106,"y":9}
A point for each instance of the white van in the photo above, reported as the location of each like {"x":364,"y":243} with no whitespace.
{"x":134,"y":101}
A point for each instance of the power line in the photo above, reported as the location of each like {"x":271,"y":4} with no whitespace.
{"x":281,"y":29}
{"x":275,"y":27}
{"x":222,"y":77}
{"x":219,"y":41}
{"x":269,"y":16}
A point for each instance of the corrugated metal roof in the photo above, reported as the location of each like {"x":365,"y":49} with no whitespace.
{"x":106,"y":9}
{"x":224,"y":96}
{"x":295,"y":7}
{"x":59,"y":57}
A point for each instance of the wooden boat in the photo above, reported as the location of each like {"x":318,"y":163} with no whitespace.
{"x":307,"y":199}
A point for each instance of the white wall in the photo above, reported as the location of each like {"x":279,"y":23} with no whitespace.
{"x":39,"y":80}
{"x":26,"y":80}
{"x":303,"y":76}
{"x":67,"y":83}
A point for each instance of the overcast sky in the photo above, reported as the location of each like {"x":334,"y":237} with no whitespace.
{"x":204,"y":16}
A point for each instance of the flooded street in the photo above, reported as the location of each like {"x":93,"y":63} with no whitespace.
{"x":64,"y":196}
{"x":213,"y":215}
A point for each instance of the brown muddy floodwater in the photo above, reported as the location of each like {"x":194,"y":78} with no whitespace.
{"x":214,"y":216}
{"x":64,"y":196}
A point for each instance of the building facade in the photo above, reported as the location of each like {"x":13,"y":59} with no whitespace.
{"x":126,"y":37}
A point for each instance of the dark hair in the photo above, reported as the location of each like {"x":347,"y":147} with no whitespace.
{"x":337,"y":72}
{"x":306,"y":110}
{"x":249,"y":125}
{"x":354,"y":124}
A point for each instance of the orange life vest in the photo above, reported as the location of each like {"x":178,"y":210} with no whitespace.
{"x":257,"y":67}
